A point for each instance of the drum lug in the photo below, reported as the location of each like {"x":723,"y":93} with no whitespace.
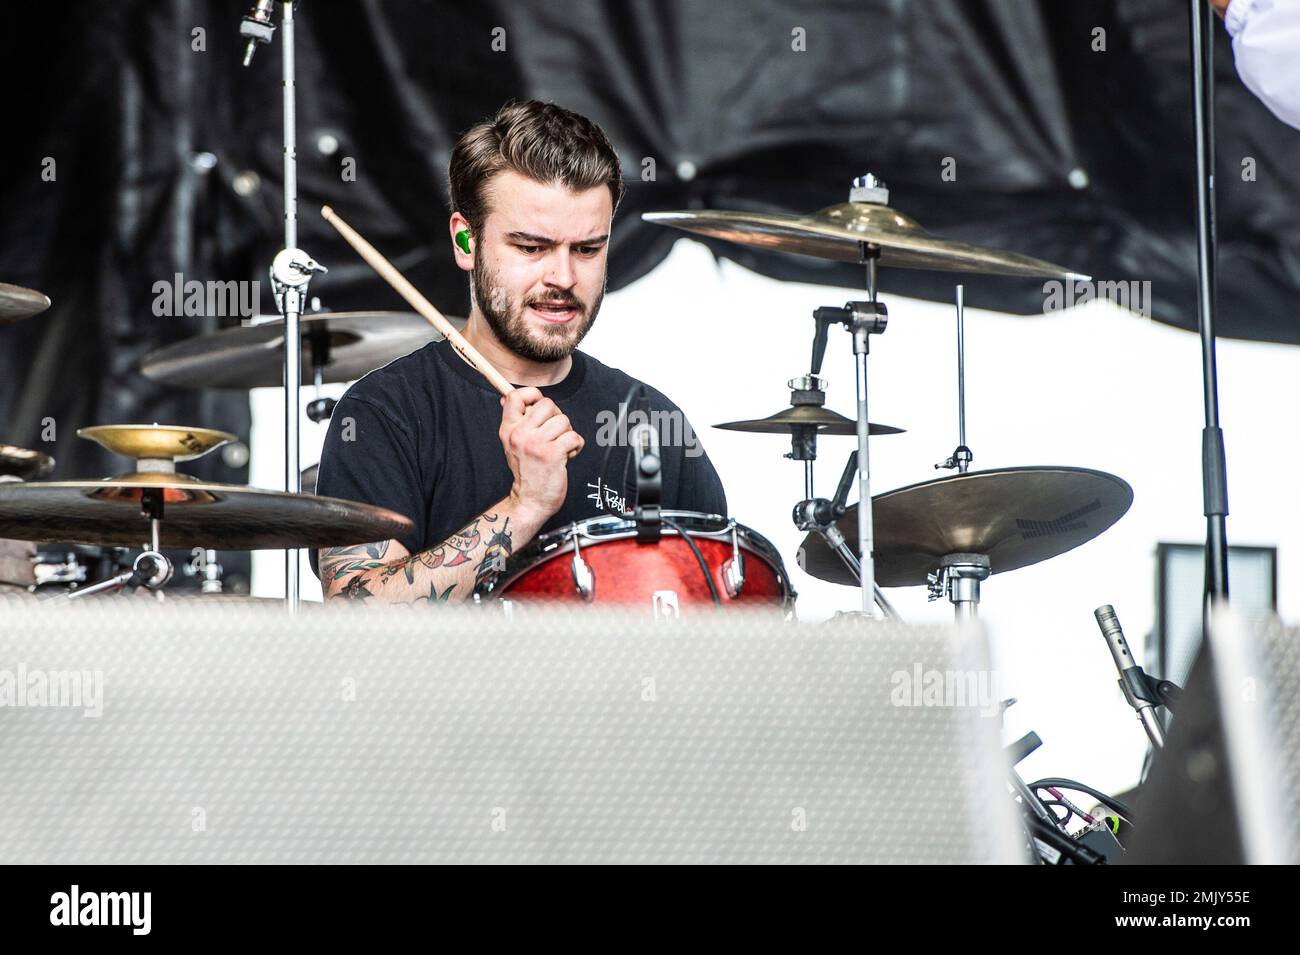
{"x":733,"y":569}
{"x":584,"y":578}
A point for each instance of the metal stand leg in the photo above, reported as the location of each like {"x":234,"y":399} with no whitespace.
{"x":835,"y":540}
{"x":291,"y":271}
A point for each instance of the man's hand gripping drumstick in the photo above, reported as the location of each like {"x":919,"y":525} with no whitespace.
{"x":537,"y":439}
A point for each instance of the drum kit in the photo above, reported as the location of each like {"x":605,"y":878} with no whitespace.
{"x":949,"y":534}
{"x":75,"y":538}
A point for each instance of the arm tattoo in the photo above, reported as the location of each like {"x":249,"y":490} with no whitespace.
{"x":500,"y":547}
{"x":338,"y":562}
{"x":351,"y":565}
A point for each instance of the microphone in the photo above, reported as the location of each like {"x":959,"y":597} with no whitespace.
{"x":257,"y":26}
{"x":1139,"y":689}
{"x":649,"y":481}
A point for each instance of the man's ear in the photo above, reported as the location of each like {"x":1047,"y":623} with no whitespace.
{"x":462,"y":240}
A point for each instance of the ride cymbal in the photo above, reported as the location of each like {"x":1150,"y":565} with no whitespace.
{"x":841,"y":231}
{"x":1014,"y":516}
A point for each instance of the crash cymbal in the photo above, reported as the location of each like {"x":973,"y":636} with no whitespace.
{"x":349,"y":344}
{"x":838,"y":232}
{"x":23,"y":463}
{"x":195,"y":514}
{"x":1015,"y":517}
{"x":823,"y":419}
{"x":17,"y":303}
{"x":156,"y":441}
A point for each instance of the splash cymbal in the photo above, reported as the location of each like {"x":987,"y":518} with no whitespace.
{"x":796,"y":416}
{"x":156,"y":441}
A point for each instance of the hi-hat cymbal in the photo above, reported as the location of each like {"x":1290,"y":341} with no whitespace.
{"x":195,"y":514}
{"x":252,"y":355}
{"x":156,"y":441}
{"x":839,"y":232}
{"x":823,"y":419}
{"x":23,"y":463}
{"x":18,"y":303}
{"x":1015,"y":517}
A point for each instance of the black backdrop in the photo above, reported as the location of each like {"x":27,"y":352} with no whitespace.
{"x":1012,"y":90}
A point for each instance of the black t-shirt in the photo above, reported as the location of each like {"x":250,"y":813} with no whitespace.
{"x":419,"y":436}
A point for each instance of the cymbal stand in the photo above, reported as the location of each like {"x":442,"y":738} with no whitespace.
{"x":320,"y":408}
{"x":814,"y":513}
{"x":962,"y":456}
{"x":959,"y":576}
{"x":291,"y":271}
{"x":151,"y":568}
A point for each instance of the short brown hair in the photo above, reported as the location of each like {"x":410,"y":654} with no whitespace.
{"x":539,"y":140}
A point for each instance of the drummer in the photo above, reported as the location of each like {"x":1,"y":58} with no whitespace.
{"x":533,"y":189}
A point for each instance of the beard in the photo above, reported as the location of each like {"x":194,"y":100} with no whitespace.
{"x":507,"y":320}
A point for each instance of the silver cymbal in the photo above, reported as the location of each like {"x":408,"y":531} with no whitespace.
{"x":252,"y":355}
{"x":1015,"y":517}
{"x":839,"y":232}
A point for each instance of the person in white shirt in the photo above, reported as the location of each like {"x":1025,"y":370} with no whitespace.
{"x":1266,"y":48}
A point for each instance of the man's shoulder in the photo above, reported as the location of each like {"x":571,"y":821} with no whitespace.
{"x":390,"y":386}
{"x":617,"y":383}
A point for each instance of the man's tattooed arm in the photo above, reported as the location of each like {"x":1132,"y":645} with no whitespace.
{"x":385,"y":572}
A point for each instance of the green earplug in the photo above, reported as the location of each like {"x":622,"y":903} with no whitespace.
{"x":462,"y":240}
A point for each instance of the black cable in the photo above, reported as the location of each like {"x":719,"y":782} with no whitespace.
{"x":1077,"y":852}
{"x":704,"y":568}
{"x":618,"y":429}
{"x":604,"y":465}
{"x":1056,"y":782}
{"x":1060,"y":820}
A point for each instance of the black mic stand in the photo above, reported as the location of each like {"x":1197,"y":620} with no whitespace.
{"x":1213,"y":460}
{"x":649,"y":484}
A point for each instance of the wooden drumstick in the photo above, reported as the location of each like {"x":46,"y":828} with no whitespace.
{"x":417,"y":301}
{"x":421,"y":304}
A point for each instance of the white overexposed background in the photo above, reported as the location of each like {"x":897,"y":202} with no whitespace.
{"x":1094,"y":387}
